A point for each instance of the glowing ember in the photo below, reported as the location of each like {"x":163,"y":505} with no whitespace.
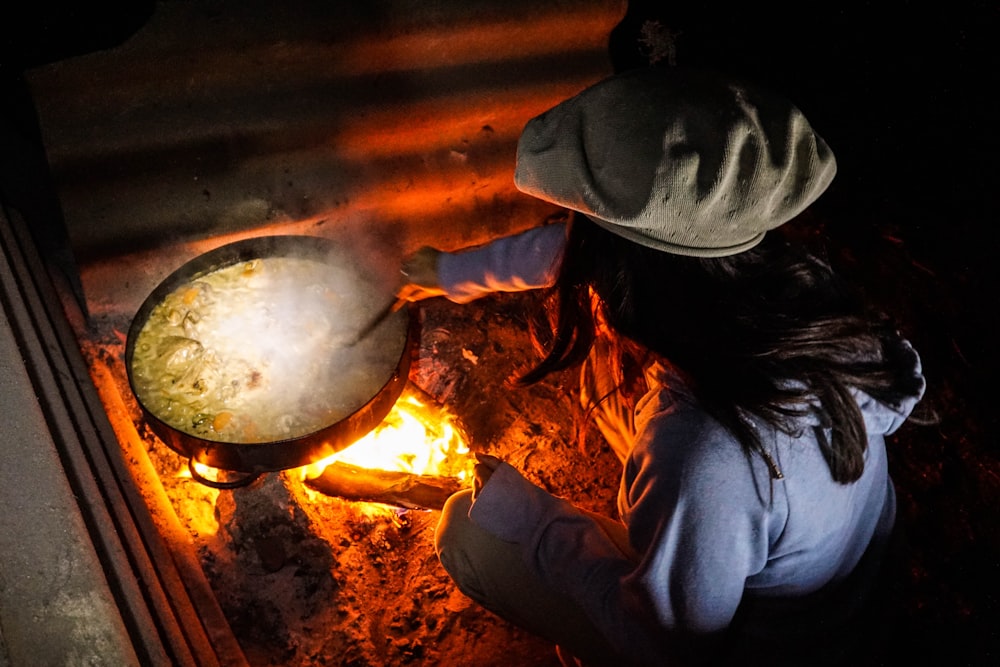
{"x":205,"y":471}
{"x":415,"y":438}
{"x":198,"y":500}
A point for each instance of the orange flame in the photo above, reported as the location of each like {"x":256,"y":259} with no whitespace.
{"x":415,"y":438}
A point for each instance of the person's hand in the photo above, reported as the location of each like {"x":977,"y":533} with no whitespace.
{"x":420,"y":275}
{"x":485,"y":465}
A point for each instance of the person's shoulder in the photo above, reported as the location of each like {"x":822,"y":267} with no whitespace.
{"x":685,"y":451}
{"x":683,"y":432}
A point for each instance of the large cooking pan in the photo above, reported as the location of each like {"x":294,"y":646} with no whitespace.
{"x":228,"y":350}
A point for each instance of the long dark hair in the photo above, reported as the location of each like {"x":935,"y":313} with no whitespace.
{"x":771,"y":333}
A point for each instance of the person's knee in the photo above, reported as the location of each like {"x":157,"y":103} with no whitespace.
{"x":451,"y":528}
{"x":454,"y":542}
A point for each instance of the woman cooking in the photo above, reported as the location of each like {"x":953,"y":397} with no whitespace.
{"x":755,"y":500}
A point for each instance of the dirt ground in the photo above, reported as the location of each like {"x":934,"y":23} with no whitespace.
{"x":306,"y":579}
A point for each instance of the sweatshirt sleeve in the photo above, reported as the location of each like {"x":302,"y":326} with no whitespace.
{"x":565,"y":547}
{"x":524,"y":261}
{"x":698,"y":537}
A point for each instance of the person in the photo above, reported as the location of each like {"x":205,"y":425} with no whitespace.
{"x":755,"y":500}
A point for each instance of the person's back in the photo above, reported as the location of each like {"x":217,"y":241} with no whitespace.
{"x":755,"y":497}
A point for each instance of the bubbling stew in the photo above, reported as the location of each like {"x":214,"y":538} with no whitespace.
{"x":254,"y":352}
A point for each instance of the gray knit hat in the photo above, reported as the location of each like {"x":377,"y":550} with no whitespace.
{"x":685,"y":162}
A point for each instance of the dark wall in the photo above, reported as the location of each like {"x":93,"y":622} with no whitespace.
{"x":32,"y":34}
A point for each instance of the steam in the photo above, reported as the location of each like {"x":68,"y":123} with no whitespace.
{"x":272,"y":334}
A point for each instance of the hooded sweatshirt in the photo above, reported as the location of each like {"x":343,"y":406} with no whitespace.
{"x":723,"y":547}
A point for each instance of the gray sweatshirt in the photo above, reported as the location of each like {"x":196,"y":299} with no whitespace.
{"x":721,"y":544}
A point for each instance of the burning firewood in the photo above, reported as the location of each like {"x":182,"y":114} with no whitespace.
{"x":402,"y":489}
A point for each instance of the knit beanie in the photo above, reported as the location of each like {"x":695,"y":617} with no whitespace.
{"x":689,"y":163}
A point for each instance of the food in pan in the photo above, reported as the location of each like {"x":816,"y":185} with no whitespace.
{"x":254,"y":352}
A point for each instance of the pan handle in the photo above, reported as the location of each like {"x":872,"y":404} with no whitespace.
{"x":240,"y":482}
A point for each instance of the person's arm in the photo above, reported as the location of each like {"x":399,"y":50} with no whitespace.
{"x":528,"y":260}
{"x":698,"y":536}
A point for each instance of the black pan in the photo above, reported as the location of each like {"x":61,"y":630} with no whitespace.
{"x":391,"y":339}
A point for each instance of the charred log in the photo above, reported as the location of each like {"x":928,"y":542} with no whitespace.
{"x":401,"y":489}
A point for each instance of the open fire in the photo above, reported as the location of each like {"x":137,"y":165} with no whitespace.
{"x":416,"y":438}
{"x":414,"y":459}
